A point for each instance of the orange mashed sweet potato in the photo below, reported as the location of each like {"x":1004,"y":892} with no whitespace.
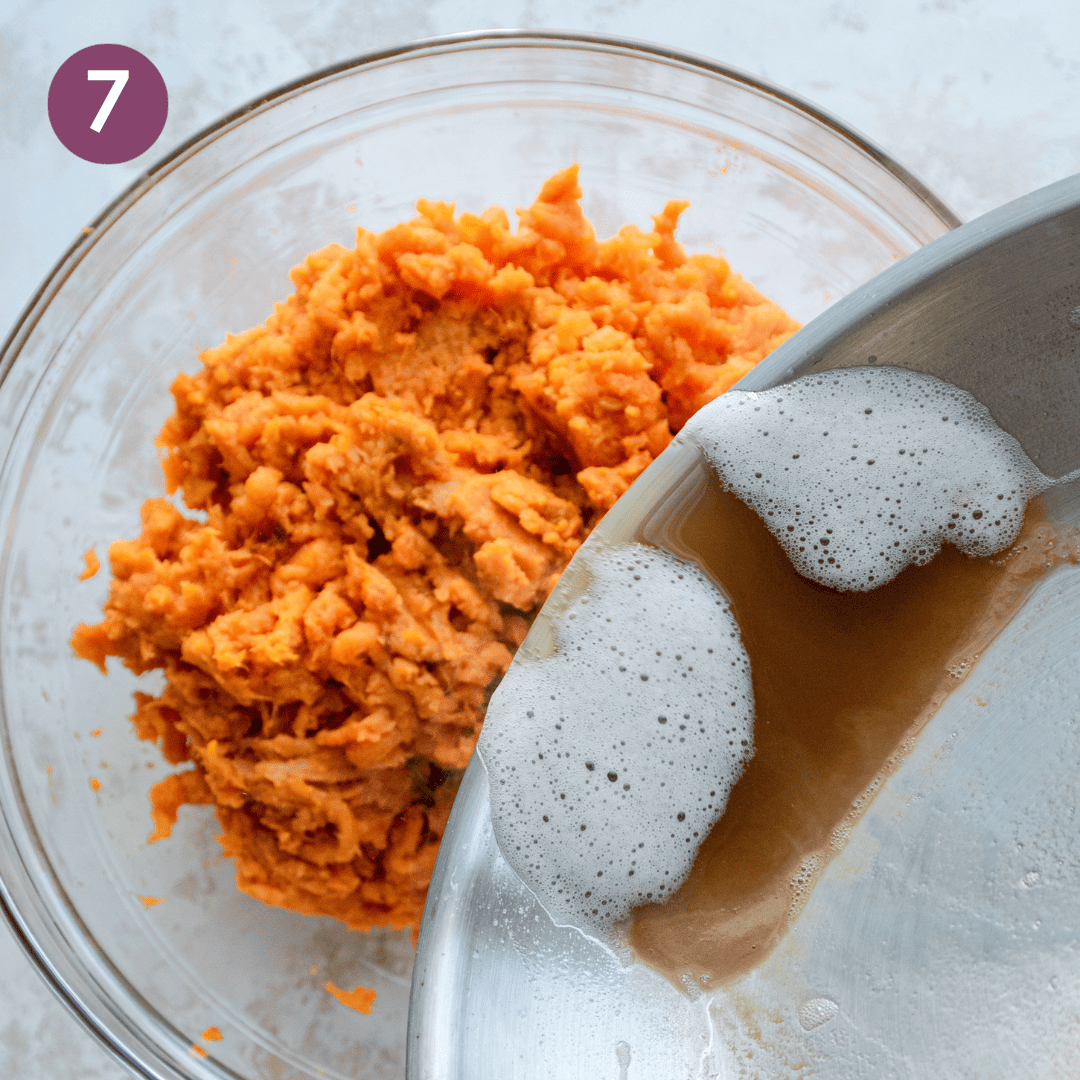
{"x":384,"y":482}
{"x":361,"y":999}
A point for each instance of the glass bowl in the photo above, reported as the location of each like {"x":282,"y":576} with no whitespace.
{"x":201,"y":246}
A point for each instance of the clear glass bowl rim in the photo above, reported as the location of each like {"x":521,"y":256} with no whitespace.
{"x":490,"y":38}
{"x":454,"y":43}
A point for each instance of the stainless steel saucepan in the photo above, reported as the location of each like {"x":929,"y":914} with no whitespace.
{"x":944,"y":940}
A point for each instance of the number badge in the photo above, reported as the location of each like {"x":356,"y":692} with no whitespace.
{"x":108,"y":104}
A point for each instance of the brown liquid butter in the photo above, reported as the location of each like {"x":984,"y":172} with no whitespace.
{"x":842,"y":681}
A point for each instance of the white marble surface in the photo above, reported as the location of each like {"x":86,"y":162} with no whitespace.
{"x":980,"y":98}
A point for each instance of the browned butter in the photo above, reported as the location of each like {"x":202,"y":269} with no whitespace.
{"x":842,"y":681}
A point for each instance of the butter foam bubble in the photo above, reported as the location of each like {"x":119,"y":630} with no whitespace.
{"x":864,"y":471}
{"x":610,"y":760}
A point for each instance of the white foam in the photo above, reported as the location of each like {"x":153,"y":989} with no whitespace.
{"x":610,"y":761}
{"x":864,"y":471}
{"x":817,"y":1011}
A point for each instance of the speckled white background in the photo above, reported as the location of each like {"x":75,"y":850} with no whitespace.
{"x":980,"y":98}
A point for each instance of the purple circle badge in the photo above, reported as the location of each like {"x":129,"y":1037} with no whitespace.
{"x":108,"y":104}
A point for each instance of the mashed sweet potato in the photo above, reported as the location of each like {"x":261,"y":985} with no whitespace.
{"x":386,"y":479}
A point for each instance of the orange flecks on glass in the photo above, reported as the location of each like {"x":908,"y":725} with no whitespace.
{"x":93,"y":565}
{"x":95,"y":784}
{"x":150,"y":901}
{"x":197,"y":1051}
{"x":95,"y":733}
{"x":359,"y":999}
{"x":212,"y":1034}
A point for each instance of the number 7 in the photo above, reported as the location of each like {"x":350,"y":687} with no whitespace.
{"x":119,"y":81}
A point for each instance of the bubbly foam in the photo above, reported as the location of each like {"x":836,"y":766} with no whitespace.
{"x":861,"y":472}
{"x":611,"y":760}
